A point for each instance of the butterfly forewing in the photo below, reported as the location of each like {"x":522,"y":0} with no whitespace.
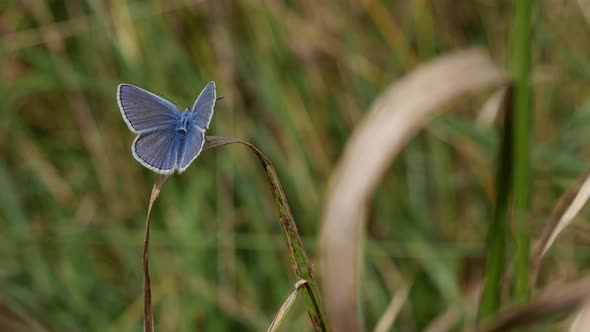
{"x":203,"y":106}
{"x":158,"y":150}
{"x":144,"y":111}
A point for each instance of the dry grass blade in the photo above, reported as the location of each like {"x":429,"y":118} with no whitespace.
{"x":386,"y":321}
{"x":564,"y":299}
{"x":148,"y":317}
{"x":585,"y":8}
{"x":445,"y":321}
{"x":297,"y":253}
{"x":489,"y":111}
{"x":581,"y":321}
{"x":449,"y":318}
{"x":284,"y":309}
{"x":574,"y":198}
{"x":394,"y":118}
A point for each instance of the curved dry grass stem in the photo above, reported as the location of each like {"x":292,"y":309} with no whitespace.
{"x":488,"y":112}
{"x":581,"y":320}
{"x":284,"y":309}
{"x":148,"y":315}
{"x":395,"y":117}
{"x":565,"y":298}
{"x":585,"y":9}
{"x":393,"y":309}
{"x":297,"y":254}
{"x":568,"y":206}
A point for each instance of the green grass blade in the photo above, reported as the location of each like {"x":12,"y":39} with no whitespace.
{"x":498,"y":229}
{"x":522,"y":124}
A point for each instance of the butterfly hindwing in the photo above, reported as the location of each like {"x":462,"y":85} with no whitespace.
{"x":203,"y":106}
{"x":144,"y":111}
{"x":158,"y":150}
{"x":191,"y":148}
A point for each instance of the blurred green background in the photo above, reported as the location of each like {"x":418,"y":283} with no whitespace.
{"x":296,"y":77}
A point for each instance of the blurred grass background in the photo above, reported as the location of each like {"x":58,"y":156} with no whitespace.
{"x":296,"y":78}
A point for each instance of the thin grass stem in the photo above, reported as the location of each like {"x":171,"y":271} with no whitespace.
{"x":498,"y":229}
{"x":521,"y":141}
{"x":297,"y":254}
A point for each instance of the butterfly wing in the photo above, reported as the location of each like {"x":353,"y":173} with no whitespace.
{"x":144,"y":111}
{"x":191,"y":148}
{"x":203,"y":107}
{"x":158,"y":150}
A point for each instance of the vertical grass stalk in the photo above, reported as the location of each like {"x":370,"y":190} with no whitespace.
{"x":520,"y":64}
{"x":498,"y":229}
{"x":148,"y":313}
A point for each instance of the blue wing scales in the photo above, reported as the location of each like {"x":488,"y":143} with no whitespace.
{"x":158,"y":150}
{"x":203,"y":106}
{"x":161,"y":144}
{"x":144,"y":111}
{"x":191,"y":148}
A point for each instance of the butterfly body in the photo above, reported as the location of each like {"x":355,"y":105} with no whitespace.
{"x":168,"y":140}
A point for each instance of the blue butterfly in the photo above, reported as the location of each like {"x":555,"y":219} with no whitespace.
{"x":168,"y":140}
